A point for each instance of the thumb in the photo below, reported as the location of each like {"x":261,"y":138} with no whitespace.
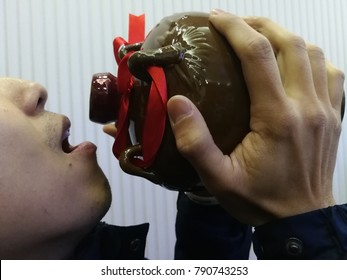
{"x":193,"y":138}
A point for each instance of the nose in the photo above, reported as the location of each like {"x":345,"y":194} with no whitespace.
{"x":26,"y":95}
{"x":39,"y":91}
{"x":32,"y":97}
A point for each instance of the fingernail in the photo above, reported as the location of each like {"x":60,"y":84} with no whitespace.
{"x":180,"y":110}
{"x":217,"y":12}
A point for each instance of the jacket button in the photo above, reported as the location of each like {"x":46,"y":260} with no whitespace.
{"x":294,"y":246}
{"x":135,"y":245}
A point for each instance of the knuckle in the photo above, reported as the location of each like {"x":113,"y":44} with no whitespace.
{"x":296,"y":42}
{"x":322,"y":119}
{"x":264,"y":20}
{"x":260,"y":23}
{"x":317,"y":118}
{"x":189,"y":144}
{"x":334,"y":123}
{"x":286,"y":124}
{"x":185,"y":146}
{"x":313,"y":117}
{"x":315,"y":52}
{"x":259,"y":49}
{"x":335,"y":72}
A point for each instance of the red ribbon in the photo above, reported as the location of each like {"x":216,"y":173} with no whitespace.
{"x":155,"y":116}
{"x":155,"y":119}
{"x":136,"y":32}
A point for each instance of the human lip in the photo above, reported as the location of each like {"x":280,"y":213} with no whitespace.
{"x":84,"y":147}
{"x":67,"y":148}
{"x":66,"y":128}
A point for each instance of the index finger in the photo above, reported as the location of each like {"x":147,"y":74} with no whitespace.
{"x":257,"y":58}
{"x":110,"y":129}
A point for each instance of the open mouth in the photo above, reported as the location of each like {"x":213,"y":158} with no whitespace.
{"x":84,"y":148}
{"x":67,"y":148}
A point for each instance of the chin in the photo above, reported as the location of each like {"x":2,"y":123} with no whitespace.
{"x":101,"y":195}
{"x":93,"y":192}
{"x":108,"y":197}
{"x":95,"y":207}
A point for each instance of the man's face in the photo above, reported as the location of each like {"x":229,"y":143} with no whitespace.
{"x":48,"y":188}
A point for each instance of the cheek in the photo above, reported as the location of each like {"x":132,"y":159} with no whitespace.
{"x":77,"y":186}
{"x":44,"y":190}
{"x":42,"y":187}
{"x":57,"y":198}
{"x":86,"y":186}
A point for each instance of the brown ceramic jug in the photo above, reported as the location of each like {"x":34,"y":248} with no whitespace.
{"x":198,"y":63}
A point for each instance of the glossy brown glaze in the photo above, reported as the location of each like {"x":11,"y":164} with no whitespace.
{"x":198,"y":63}
{"x":104,"y":99}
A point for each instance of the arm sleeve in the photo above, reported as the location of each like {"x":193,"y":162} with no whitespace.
{"x":320,"y":234}
{"x":209,"y":232}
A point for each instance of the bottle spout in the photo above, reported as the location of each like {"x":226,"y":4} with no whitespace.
{"x":104,"y":98}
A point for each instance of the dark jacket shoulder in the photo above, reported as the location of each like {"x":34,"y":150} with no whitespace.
{"x":107,"y":242}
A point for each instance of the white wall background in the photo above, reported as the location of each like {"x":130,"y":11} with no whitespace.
{"x":62,"y":43}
